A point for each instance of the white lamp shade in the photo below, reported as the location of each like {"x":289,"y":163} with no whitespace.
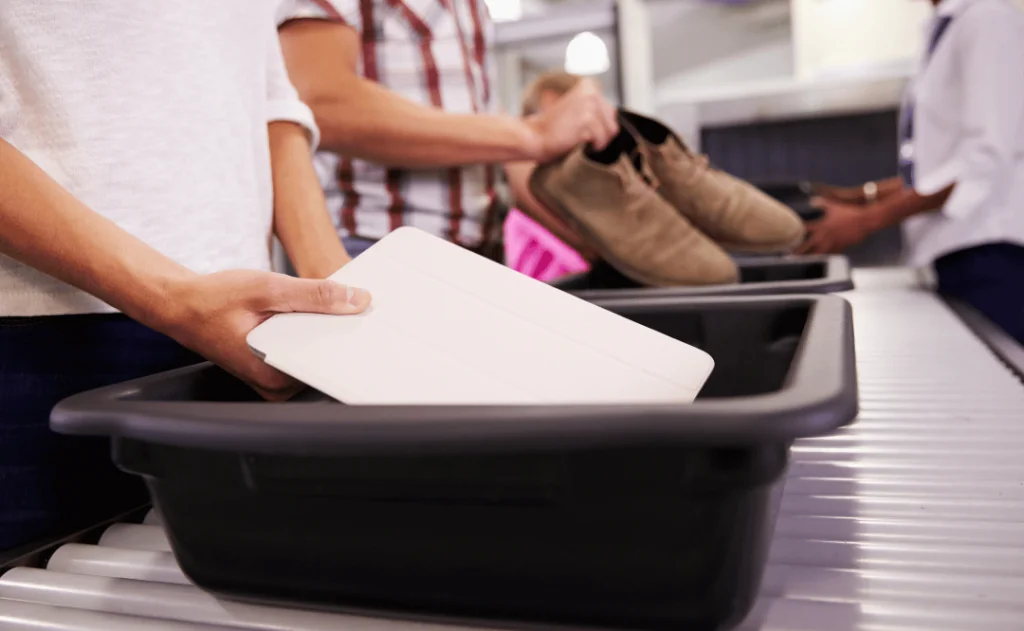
{"x":587,"y":54}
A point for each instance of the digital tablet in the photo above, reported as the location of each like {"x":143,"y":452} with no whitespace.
{"x":450,"y":327}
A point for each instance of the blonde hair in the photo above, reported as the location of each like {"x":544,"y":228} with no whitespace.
{"x":557,"y":81}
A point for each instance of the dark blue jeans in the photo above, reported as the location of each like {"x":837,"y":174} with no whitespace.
{"x":356,"y":245}
{"x":51,"y":484}
{"x":990,"y":278}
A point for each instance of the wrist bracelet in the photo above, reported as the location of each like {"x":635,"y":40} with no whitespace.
{"x":870,"y":192}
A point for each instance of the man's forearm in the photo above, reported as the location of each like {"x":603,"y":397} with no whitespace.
{"x":902,"y":204}
{"x":889,"y":187}
{"x":45,"y":227}
{"x":301,"y":220}
{"x":375,"y":124}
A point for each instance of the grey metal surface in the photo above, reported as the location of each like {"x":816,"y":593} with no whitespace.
{"x":183,"y":603}
{"x":142,"y":565}
{"x":27,"y":616}
{"x":1004,"y":346}
{"x":910,"y":520}
{"x":135,"y":537}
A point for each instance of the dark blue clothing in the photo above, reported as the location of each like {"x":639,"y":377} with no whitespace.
{"x":356,"y":245}
{"x":991,"y":279}
{"x":50,"y":484}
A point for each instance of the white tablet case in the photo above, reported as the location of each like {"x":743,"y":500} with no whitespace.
{"x":447,"y":326}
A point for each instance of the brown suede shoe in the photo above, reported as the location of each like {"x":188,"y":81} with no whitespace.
{"x":607,"y":198}
{"x":738,"y":216}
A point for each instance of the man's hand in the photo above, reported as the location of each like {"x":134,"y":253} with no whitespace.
{"x":581,"y":116}
{"x":214,"y":314}
{"x":841,"y":227}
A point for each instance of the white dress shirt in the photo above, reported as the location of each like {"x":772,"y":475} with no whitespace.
{"x":969,"y":131}
{"x":154,"y":114}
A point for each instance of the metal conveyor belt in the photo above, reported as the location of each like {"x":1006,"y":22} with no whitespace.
{"x":910,"y":520}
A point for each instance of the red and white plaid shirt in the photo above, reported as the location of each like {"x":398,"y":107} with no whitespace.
{"x":433,"y":52}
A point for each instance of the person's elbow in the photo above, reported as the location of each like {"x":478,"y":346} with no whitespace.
{"x":337,"y":117}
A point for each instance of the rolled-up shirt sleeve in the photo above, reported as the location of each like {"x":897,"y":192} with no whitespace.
{"x":992,"y":71}
{"x":346,"y":12}
{"x":283,"y":102}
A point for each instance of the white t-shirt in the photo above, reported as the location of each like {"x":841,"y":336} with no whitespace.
{"x":155,"y":115}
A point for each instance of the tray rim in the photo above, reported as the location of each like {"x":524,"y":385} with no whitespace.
{"x":819,"y":396}
{"x":837,"y":279}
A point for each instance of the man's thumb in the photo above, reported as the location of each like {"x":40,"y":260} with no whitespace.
{"x":324,"y":296}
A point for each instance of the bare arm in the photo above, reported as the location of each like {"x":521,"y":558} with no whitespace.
{"x":45,"y":227}
{"x":902,"y":204}
{"x":844,"y":225}
{"x":301,"y":220}
{"x":889,"y":187}
{"x":362,"y":119}
{"x":856,"y":194}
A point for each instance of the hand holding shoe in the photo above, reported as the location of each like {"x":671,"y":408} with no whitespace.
{"x":842,"y":226}
{"x":214,"y":313}
{"x":581,"y":116}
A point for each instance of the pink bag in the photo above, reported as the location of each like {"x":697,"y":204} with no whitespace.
{"x":532,"y":250}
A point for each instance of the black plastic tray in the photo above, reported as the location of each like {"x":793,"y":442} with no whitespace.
{"x":618,"y":516}
{"x":758,"y":277}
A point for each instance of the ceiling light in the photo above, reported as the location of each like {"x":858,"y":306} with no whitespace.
{"x":587,"y":54}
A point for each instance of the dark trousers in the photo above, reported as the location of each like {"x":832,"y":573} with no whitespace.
{"x":51,"y":484}
{"x":990,"y":278}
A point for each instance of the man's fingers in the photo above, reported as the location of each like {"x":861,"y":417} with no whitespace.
{"x":803,"y":249}
{"x":272,"y":384}
{"x":606,"y":115}
{"x":811,"y":245}
{"x":600,"y":134}
{"x":591,"y":129}
{"x":269,"y":383}
{"x":822,"y":245}
{"x":317,"y":296}
{"x":611,"y":117}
